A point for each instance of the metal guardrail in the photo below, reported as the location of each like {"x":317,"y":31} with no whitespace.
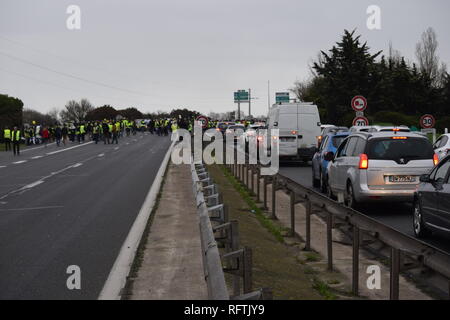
{"x":238,"y":261}
{"x":402,"y":246}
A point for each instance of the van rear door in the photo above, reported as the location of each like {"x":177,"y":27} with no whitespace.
{"x":288,"y":126}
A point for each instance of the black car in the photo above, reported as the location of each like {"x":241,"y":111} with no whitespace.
{"x":432,"y":201}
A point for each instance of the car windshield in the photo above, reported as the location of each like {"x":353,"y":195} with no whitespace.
{"x":338,"y":140}
{"x":395,"y":149}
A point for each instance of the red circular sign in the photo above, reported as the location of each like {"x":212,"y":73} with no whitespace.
{"x":204,"y":121}
{"x":359,"y":103}
{"x":427,"y":121}
{"x":360,"y":121}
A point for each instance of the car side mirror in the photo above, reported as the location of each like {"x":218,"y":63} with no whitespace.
{"x":329,"y":156}
{"x":425,"y":178}
{"x":275,"y":124}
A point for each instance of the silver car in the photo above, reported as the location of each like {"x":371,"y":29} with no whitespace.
{"x":379,"y":166}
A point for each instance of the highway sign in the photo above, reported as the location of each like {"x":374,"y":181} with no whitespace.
{"x":359,"y":103}
{"x":281,"y":97}
{"x":203,"y":120}
{"x":360,"y":121}
{"x":241,"y":96}
{"x":427,"y":121}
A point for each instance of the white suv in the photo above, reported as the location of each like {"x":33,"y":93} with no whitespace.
{"x":442,"y":146}
{"x":378,"y":166}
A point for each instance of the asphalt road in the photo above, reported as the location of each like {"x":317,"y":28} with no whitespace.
{"x":397,"y":216}
{"x":73,"y":207}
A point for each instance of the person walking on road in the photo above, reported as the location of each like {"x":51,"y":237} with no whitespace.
{"x":96,"y":132}
{"x":115,"y":134}
{"x":106,"y":132}
{"x":15,"y":138}
{"x":7,"y":138}
{"x":45,"y":136}
{"x":58,"y":135}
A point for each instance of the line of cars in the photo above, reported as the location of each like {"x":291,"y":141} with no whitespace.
{"x":364,"y":165}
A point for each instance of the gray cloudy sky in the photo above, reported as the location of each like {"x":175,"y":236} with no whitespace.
{"x":160,"y":54}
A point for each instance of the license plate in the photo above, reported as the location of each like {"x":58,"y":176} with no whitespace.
{"x":402,"y":179}
{"x":287,"y":139}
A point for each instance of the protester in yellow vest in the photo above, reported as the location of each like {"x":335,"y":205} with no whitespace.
{"x":15,"y":138}
{"x":7,"y":138}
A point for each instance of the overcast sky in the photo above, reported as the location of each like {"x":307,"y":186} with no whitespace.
{"x":161,"y":54}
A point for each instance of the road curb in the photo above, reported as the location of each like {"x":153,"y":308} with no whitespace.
{"x":118,"y":275}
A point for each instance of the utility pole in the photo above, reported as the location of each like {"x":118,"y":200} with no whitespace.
{"x":249,"y":103}
{"x":268,"y":95}
{"x":238,"y":117}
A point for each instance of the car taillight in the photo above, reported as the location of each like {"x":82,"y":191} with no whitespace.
{"x":435,"y":159}
{"x":294,"y":131}
{"x":217,"y":129}
{"x":399,"y":138}
{"x":363,"y":161}
{"x":260,"y":138}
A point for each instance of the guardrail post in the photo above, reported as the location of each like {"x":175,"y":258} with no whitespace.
{"x":330,"y":241}
{"x":247,"y":272}
{"x":252,"y":180}
{"x":292,"y":205}
{"x":355,"y":281}
{"x":265,"y":192}
{"x":308,"y":225}
{"x":234,"y":233}
{"x":395,"y":274}
{"x":246,"y":176}
{"x":258,"y":181}
{"x":274,"y":192}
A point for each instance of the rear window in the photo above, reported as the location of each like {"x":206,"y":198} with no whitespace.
{"x":338,"y":140}
{"x":406,"y":149}
{"x":223,"y":125}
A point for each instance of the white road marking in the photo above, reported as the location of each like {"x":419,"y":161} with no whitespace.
{"x":116,"y":148}
{"x":77,"y":165}
{"x":81,"y":145}
{"x":32,"y":185}
{"x":29,"y":149}
{"x":37,"y":157}
{"x":35,"y":208}
{"x":101,"y":154}
{"x":2,"y":167}
{"x":18,"y":162}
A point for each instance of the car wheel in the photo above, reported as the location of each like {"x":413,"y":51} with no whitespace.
{"x":323,"y":183}
{"x":420,"y":229}
{"x":350,"y":197}
{"x":315,"y":182}
{"x":329,"y":192}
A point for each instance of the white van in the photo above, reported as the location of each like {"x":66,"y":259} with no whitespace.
{"x":299,"y":125}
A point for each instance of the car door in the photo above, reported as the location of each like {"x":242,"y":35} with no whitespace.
{"x":443,"y":199}
{"x":430,"y":191}
{"x":335,"y":167}
{"x":347,"y":162}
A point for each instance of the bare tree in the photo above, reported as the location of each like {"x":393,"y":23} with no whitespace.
{"x":300,"y":89}
{"x":76,"y":111}
{"x":426,"y":53}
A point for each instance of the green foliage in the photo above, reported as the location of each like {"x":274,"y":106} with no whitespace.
{"x":393,"y":88}
{"x":10,"y":112}
{"x":100,"y":113}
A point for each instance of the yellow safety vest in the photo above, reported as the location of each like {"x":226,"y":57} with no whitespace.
{"x":16,"y":137}
{"x":7,"y":134}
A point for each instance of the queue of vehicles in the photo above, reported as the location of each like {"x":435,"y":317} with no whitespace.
{"x":364,"y":164}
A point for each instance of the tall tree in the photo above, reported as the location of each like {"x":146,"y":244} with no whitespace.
{"x":429,"y":63}
{"x":76,"y":111}
{"x":347,"y":70}
{"x":10,"y":111}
